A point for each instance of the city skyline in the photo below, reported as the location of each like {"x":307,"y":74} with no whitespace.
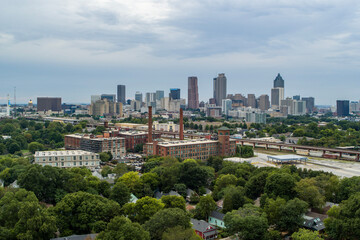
{"x":158,"y":44}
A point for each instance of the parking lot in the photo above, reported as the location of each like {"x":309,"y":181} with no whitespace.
{"x":338,"y":167}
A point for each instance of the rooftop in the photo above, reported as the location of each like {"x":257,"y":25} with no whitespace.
{"x":201,"y":225}
{"x":185,"y":142}
{"x":62,"y":153}
{"x":287,"y":157}
{"x":133,"y":133}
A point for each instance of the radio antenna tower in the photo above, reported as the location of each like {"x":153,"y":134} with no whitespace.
{"x":15,"y":102}
{"x":8,"y":106}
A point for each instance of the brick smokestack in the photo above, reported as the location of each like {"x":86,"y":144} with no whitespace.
{"x":150,"y":125}
{"x":181,"y":123}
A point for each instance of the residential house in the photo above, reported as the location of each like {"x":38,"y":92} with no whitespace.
{"x":204,"y":229}
{"x":314,"y":224}
{"x":217,"y":219}
{"x":77,"y":237}
{"x":159,"y":194}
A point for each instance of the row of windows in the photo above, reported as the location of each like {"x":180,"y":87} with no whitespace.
{"x":92,"y":157}
{"x":72,"y":164}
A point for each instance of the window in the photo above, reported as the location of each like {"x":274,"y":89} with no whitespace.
{"x":74,"y":163}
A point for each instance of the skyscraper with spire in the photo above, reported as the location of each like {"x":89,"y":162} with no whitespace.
{"x":279,"y":81}
{"x":278,"y":92}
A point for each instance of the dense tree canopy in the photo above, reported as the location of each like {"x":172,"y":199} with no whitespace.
{"x":81,"y":212}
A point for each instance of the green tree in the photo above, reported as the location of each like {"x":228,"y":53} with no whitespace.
{"x":174,"y":202}
{"x":81,"y":213}
{"x":35,"y":146}
{"x":150,"y":179}
{"x":205,"y":206}
{"x":121,"y":228}
{"x":165,"y":219}
{"x":280,"y":184}
{"x":344,"y":220}
{"x":2,"y":148}
{"x":143,"y":209}
{"x":256,"y":184}
{"x":246,"y":151}
{"x":234,"y":198}
{"x":249,"y":223}
{"x":180,"y":233}
{"x":308,"y":191}
{"x":22,"y":217}
{"x":304,"y":234}
{"x":120,"y":193}
{"x":193,"y":175}
{"x":132,"y":181}
{"x":288,"y":216}
{"x":13,"y":147}
{"x":105,"y":157}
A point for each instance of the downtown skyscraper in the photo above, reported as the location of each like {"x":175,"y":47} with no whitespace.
{"x":219,"y":89}
{"x":121,"y":94}
{"x":193,"y":93}
{"x":278,"y":92}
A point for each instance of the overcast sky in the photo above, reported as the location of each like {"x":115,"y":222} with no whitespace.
{"x":77,"y":48}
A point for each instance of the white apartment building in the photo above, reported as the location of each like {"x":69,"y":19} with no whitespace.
{"x":68,"y":159}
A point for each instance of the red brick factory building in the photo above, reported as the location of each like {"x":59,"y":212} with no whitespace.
{"x":196,"y":149}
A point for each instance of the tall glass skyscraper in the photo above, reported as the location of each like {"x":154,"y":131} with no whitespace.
{"x":193,"y":93}
{"x":174,"y":93}
{"x":121,"y":94}
{"x":219,"y":89}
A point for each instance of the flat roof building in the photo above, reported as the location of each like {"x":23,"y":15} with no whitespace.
{"x":96,"y":144}
{"x":49,"y":104}
{"x":67,"y":159}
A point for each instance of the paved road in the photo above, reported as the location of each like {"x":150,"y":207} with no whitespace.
{"x":340,"y":168}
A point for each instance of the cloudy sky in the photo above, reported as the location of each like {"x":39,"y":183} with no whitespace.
{"x":74,"y":49}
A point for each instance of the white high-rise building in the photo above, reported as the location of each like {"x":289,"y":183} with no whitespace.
{"x":226,"y":106}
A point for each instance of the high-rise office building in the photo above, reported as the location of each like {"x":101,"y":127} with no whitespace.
{"x":106,"y":107}
{"x":299,"y":108}
{"x":150,"y":99}
{"x":277,"y":94}
{"x":226,"y":106}
{"x":139,"y":97}
{"x":159,"y":94}
{"x":279,"y":81}
{"x":121,"y":94}
{"x":174,"y":93}
{"x":193,"y":93}
{"x":219,"y":88}
{"x":310,"y":104}
{"x":354,"y":106}
{"x":251,"y":101}
{"x":49,"y":104}
{"x":264,"y":102}
{"x":342,"y":108}
{"x":296,"y":97}
{"x":95,"y":98}
{"x":109,"y":97}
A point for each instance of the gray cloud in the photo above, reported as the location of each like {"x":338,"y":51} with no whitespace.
{"x":164,"y":41}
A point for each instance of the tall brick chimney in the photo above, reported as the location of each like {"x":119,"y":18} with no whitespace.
{"x":181,"y":123}
{"x":150,"y":139}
